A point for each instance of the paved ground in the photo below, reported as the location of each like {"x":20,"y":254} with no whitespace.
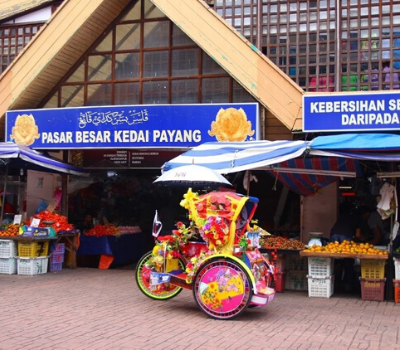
{"x":87,"y":308}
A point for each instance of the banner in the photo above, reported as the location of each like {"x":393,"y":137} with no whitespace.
{"x":141,"y":126}
{"x":351,"y":112}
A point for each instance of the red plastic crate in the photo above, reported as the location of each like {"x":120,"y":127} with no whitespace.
{"x":372,"y":289}
{"x":396,"y":284}
{"x":279,"y":282}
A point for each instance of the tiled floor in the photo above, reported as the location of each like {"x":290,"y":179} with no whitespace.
{"x":87,"y":308}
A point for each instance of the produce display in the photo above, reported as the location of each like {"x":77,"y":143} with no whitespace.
{"x":347,"y":247}
{"x":276,"y":242}
{"x":9,"y":230}
{"x":103,"y":230}
{"x":54,"y":220}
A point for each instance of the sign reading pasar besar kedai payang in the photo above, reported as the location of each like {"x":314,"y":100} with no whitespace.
{"x":141,"y":126}
{"x":352,"y":112}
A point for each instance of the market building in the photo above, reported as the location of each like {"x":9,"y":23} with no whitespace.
{"x":106,"y":59}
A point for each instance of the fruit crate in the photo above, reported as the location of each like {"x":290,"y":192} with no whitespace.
{"x":8,"y":248}
{"x":372,"y":289}
{"x":396,"y":268}
{"x":321,"y":286}
{"x":57,"y":258}
{"x":55,"y":266}
{"x":33,"y":249}
{"x":8,"y":266}
{"x":58,"y":248}
{"x":320,"y":267}
{"x":396,"y":285}
{"x":32,"y":266}
{"x":296,"y":263}
{"x":372,"y":269}
{"x":296,"y":280}
{"x":279,"y":282}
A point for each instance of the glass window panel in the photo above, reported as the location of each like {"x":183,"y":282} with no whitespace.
{"x":99,"y":67}
{"x":98,"y":95}
{"x":53,"y":102}
{"x":184,"y":91}
{"x":105,"y":45}
{"x":72,"y":96}
{"x":215,"y":90}
{"x":240,"y":94}
{"x":210,"y":66}
{"x":155,"y":64}
{"x":78,"y":74}
{"x":185,"y":62}
{"x":156,"y":34}
{"x":364,"y":22}
{"x":179,"y":38}
{"x":151,"y":11}
{"x":133,"y":13}
{"x":128,"y":36}
{"x":126,"y":93}
{"x":127,"y":65}
{"x":155,"y":92}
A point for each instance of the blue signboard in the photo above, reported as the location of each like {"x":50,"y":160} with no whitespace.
{"x":141,"y":126}
{"x":352,"y":112}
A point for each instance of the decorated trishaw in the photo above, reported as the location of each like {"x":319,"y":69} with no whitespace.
{"x":216,"y":256}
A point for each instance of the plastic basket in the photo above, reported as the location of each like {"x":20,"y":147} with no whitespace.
{"x":57,"y":258}
{"x":372,"y":289}
{"x":8,"y":248}
{"x":296,"y":280}
{"x":33,"y":249}
{"x":321,"y":286}
{"x":280,"y":264}
{"x":279,"y":284}
{"x":396,"y":285}
{"x":8,"y":266}
{"x":32,"y":266}
{"x":54,"y":266}
{"x":58,"y":248}
{"x":320,"y":267}
{"x":372,"y":269}
{"x":396,"y":268}
{"x":296,"y":263}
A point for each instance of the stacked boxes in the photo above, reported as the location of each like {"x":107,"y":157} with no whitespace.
{"x":372,"y":279}
{"x":296,"y":273}
{"x":320,"y":277}
{"x":32,"y":257}
{"x":57,"y":257}
{"x":279,"y":275}
{"x":396,"y":281}
{"x":8,"y":253}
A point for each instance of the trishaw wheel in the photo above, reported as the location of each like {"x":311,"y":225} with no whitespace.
{"x":222,"y":289}
{"x":163,"y":291}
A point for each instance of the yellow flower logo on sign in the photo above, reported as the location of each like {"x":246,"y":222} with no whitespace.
{"x":25,"y":130}
{"x":231,"y":124}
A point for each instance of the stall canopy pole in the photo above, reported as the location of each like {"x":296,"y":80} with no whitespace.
{"x":4,"y":194}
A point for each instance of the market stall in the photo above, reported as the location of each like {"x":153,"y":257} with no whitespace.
{"x":123,"y":246}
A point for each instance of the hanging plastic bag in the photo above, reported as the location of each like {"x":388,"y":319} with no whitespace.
{"x":42,"y":207}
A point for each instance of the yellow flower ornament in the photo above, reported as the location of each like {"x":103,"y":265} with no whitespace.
{"x":188,"y":197}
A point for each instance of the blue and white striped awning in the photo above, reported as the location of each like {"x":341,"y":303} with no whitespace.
{"x":230,"y":157}
{"x":303,"y":166}
{"x":23,"y":157}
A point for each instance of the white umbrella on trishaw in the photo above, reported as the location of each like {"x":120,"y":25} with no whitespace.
{"x":192,"y":175}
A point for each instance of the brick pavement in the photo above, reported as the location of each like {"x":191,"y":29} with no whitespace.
{"x":87,"y":308}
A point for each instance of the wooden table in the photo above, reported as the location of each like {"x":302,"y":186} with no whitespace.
{"x":343,"y":256}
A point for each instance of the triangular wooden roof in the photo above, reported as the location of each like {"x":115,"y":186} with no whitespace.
{"x":78,"y":23}
{"x":12,"y":8}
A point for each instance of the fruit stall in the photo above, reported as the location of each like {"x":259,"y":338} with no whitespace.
{"x":37,"y":245}
{"x":321,"y":273}
{"x":110,"y":245}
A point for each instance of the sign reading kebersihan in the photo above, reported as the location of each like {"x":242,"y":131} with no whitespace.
{"x":351,"y":112}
